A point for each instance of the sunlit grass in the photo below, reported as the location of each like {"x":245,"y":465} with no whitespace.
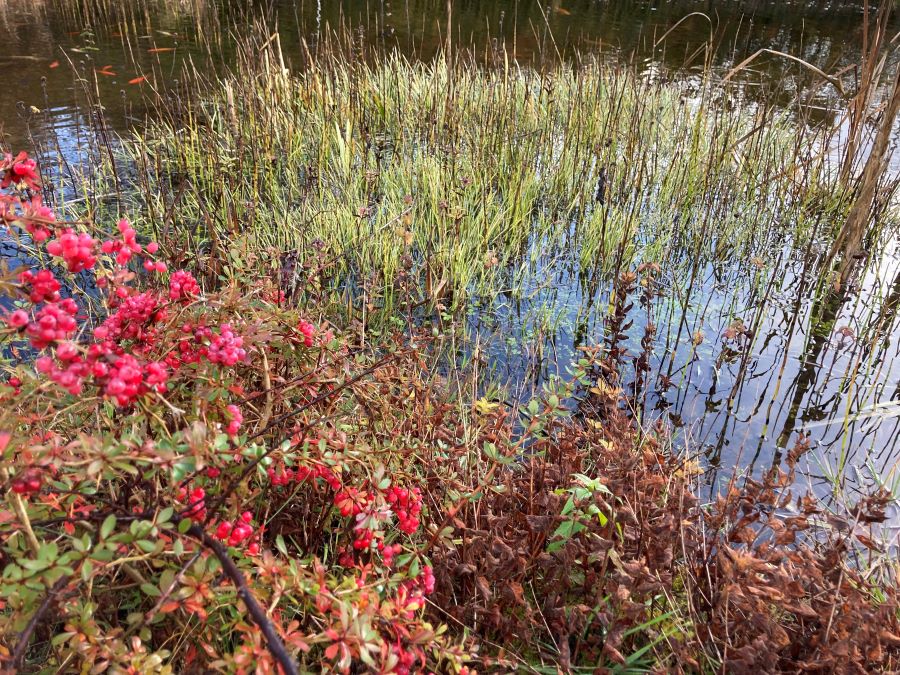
{"x":467,"y":177}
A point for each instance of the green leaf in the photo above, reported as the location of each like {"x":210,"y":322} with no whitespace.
{"x":166,"y":578}
{"x":146,"y":545}
{"x":109,"y":524}
{"x":103,"y":554}
{"x":183,"y":468}
{"x":34,"y":565}
{"x":490,"y":451}
{"x":59,"y":639}
{"x":165,"y":515}
{"x":280,"y":545}
{"x":151,"y":590}
{"x":184,"y":525}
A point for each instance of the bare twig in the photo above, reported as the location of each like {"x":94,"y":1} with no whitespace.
{"x":25,"y":637}
{"x":273,"y":640}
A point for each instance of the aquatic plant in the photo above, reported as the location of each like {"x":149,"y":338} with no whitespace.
{"x":465,"y":178}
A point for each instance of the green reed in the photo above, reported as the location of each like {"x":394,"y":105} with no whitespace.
{"x":468,"y":177}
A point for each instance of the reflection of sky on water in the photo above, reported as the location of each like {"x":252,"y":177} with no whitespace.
{"x":807,"y":368}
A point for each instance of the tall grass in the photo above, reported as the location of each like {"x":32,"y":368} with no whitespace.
{"x":468,"y":177}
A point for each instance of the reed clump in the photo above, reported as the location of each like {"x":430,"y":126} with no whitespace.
{"x":465,"y":178}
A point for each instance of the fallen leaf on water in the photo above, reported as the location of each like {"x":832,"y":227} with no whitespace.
{"x":137,"y":80}
{"x":55,"y":64}
{"x":564,"y":12}
{"x":108,"y":73}
{"x":157,"y":50}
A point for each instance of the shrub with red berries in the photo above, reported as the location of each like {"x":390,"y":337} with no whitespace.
{"x":171,"y":418}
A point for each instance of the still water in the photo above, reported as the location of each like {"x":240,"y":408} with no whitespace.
{"x":75,"y":70}
{"x":59,"y":53}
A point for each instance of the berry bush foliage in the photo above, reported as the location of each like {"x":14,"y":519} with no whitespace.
{"x":185,"y":455}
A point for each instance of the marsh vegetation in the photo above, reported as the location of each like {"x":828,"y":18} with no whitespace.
{"x":616,"y":327}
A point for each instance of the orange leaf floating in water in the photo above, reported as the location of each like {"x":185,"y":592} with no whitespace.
{"x":157,"y":50}
{"x":55,"y":64}
{"x":564,"y":12}
{"x":108,"y":73}
{"x":137,"y":80}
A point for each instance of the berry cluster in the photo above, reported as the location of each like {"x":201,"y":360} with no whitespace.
{"x":125,"y":247}
{"x":183,"y":286}
{"x":78,"y":251}
{"x":407,"y":505}
{"x":127,"y":379}
{"x":117,"y":372}
{"x":308,"y":331}
{"x":54,"y":321}
{"x":303,"y":473}
{"x":69,"y":376}
{"x":44,"y":286}
{"x":120,"y":376}
{"x":28,"y":483}
{"x":16,"y":385}
{"x":235,"y":419}
{"x":154,"y":266}
{"x":131,"y":319}
{"x":406,"y":659}
{"x":20,"y":169}
{"x":388,"y":551}
{"x":427,"y":578}
{"x":17,"y":319}
{"x":226,"y":348}
{"x":196,"y":503}
{"x":238,"y":532}
{"x":372,"y":510}
{"x":36,"y":217}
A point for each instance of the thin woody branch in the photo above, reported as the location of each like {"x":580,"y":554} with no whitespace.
{"x":257,"y":613}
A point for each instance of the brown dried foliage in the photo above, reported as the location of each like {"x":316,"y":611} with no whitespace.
{"x":757,"y":581}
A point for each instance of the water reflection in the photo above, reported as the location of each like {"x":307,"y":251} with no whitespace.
{"x":98,"y":49}
{"x":802,"y":359}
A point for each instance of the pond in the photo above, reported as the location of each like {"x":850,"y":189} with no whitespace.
{"x":747,"y":353}
{"x":58,"y":53}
